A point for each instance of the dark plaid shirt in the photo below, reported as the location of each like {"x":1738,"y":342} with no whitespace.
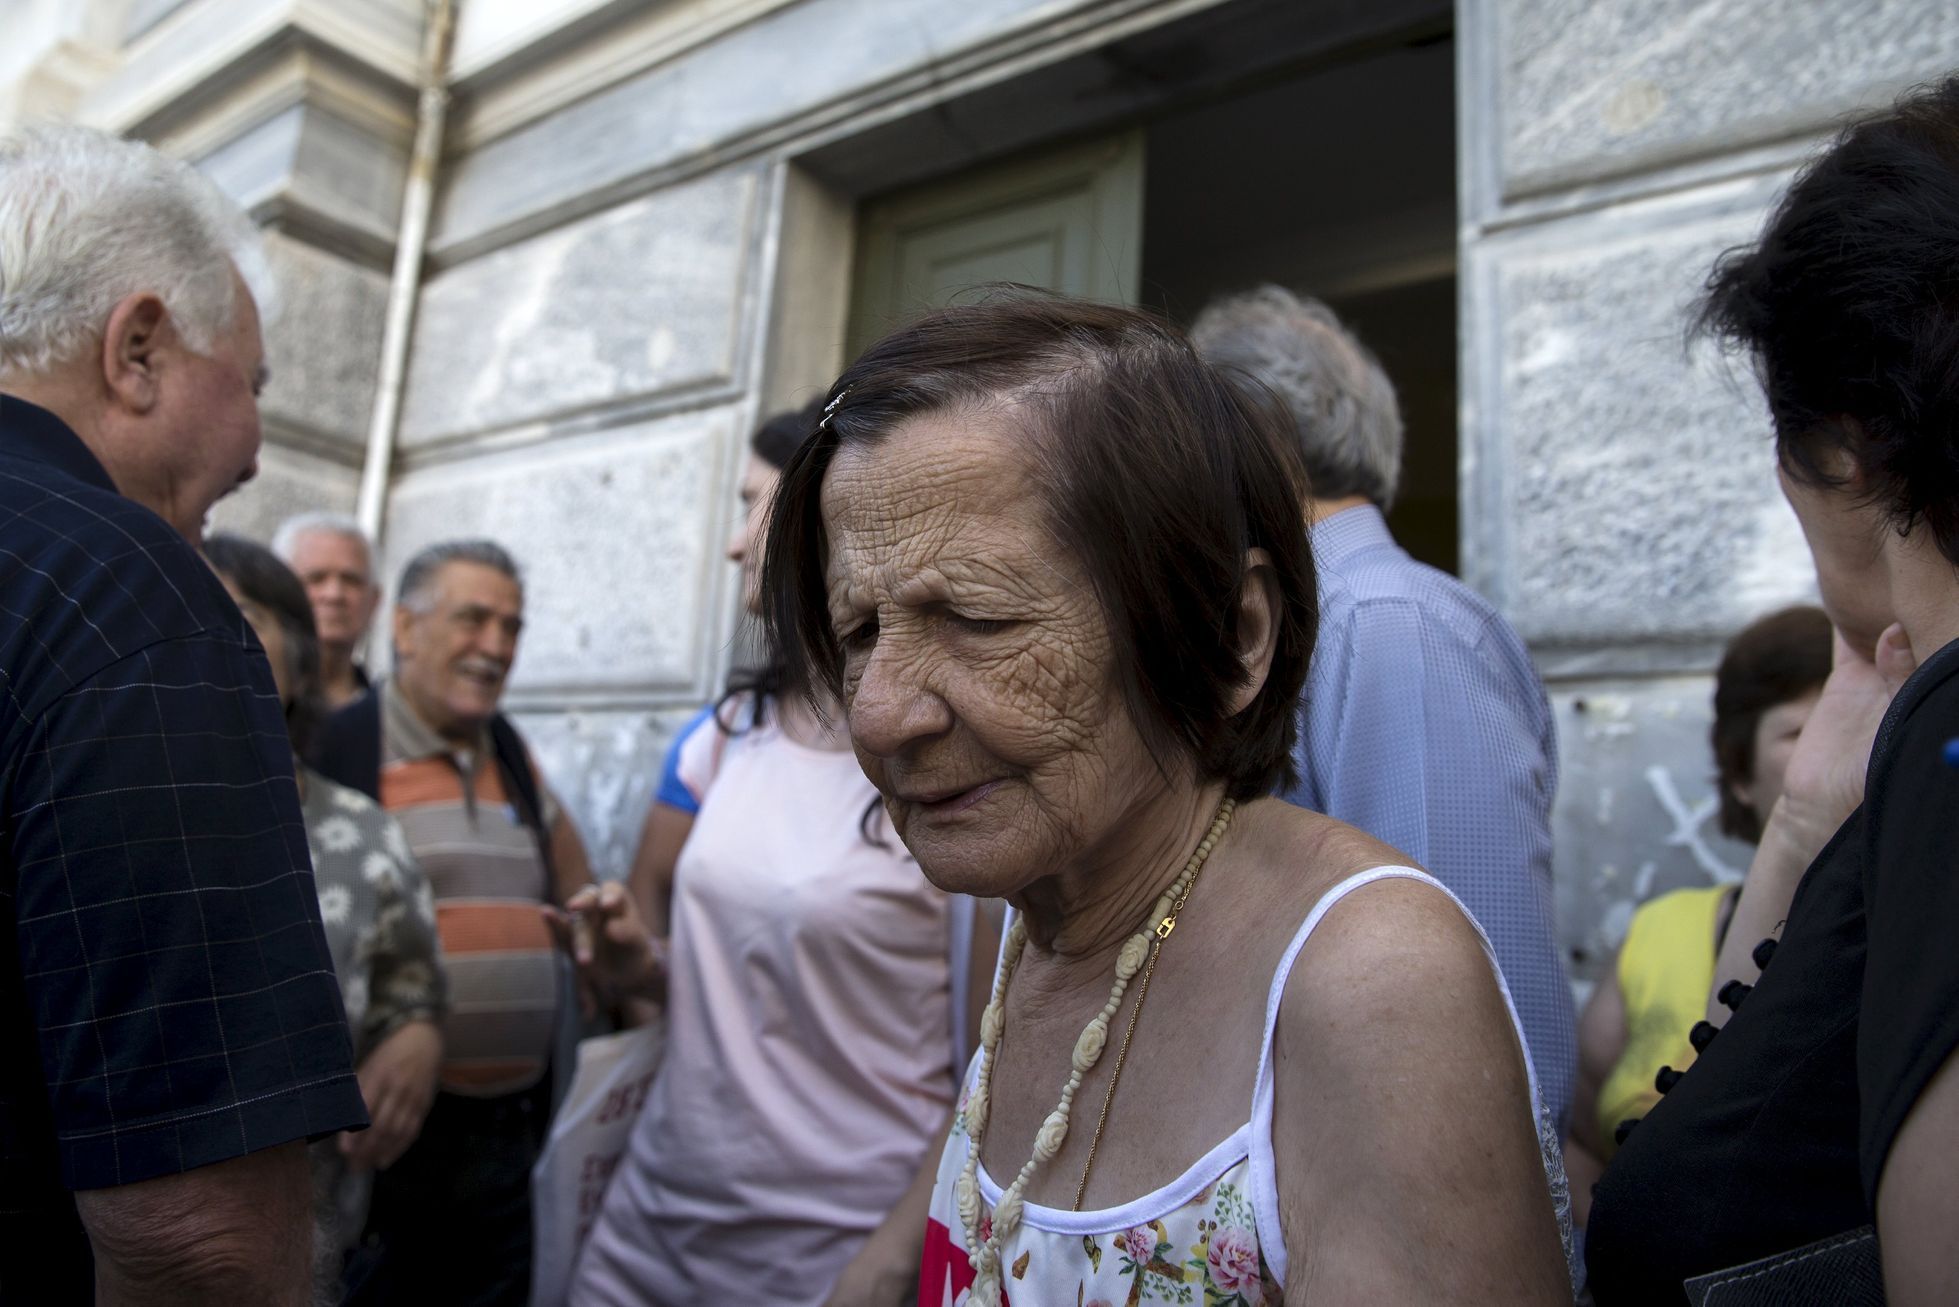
{"x":166,"y":996}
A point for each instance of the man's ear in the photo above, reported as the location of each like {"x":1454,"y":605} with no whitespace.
{"x":138,"y":330}
{"x":1258,"y":627}
{"x":404,"y":632}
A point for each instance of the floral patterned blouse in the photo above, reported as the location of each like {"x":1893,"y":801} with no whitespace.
{"x":377,"y":910}
{"x":1209,"y":1238}
{"x":379,"y":918}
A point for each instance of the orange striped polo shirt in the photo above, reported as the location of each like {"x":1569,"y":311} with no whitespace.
{"x":488,"y":876}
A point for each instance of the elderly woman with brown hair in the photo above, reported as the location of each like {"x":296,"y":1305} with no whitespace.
{"x":1051,"y":565}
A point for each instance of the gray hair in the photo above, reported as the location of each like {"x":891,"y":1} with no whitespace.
{"x":87,"y":220}
{"x":1341,"y":403}
{"x":416,"y":592}
{"x":285,"y":541}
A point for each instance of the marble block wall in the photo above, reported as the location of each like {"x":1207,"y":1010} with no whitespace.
{"x":1637,"y":815}
{"x":322,"y":347}
{"x":591,"y":345}
{"x":582,"y":396}
{"x":301,"y":111}
{"x":1619,"y":495}
{"x":604,"y":296}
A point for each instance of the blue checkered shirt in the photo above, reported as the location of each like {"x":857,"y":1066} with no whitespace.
{"x":1425,"y":725}
{"x":167,"y":1000}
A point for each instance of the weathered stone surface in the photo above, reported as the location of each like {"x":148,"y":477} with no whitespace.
{"x":257,"y":163}
{"x":618,"y":536}
{"x":352,"y":171}
{"x":145,"y":14}
{"x":641,"y":299}
{"x":781,"y":66}
{"x":1635,"y":815}
{"x":1590,"y":89}
{"x":323,"y":343}
{"x":486,"y":29}
{"x":306,"y":162}
{"x":289,"y":481}
{"x":603,"y":766}
{"x":1638,"y":499}
{"x":203,"y":37}
{"x":212,"y":47}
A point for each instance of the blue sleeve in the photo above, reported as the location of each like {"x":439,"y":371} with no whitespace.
{"x":1366,"y":727}
{"x":168,"y":929}
{"x":670,"y":790}
{"x":1441,"y":746}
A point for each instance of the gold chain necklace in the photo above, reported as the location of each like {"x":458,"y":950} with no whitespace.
{"x":1139,"y":949}
{"x":1163,"y":929}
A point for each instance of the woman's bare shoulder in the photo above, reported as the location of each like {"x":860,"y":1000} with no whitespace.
{"x":1306,"y":853}
{"x":1399,"y":927}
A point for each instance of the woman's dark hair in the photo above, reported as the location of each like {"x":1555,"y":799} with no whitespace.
{"x":1161,"y":475}
{"x":1774,"y":661}
{"x":1849,"y":304}
{"x":775,"y":443}
{"x":256,"y":573}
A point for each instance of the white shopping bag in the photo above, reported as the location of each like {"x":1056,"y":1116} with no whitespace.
{"x":588,"y":1137}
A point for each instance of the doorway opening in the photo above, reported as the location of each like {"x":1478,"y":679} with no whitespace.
{"x":1338,"y":182}
{"x":1341,"y":185}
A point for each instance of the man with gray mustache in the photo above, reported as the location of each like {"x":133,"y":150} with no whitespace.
{"x":451,"y":1219}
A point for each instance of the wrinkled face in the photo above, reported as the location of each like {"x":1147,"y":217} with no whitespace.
{"x":758,"y":482}
{"x":1775,"y":739}
{"x":979,"y":673}
{"x":1845,"y":538}
{"x":451,"y":660}
{"x":339,"y":580}
{"x":207,"y":422}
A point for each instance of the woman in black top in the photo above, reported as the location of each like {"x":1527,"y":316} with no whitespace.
{"x":1830,"y":1102}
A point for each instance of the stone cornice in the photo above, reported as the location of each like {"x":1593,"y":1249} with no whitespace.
{"x":202,"y":54}
{"x":1046,"y":33}
{"x":55,"y":83}
{"x":303,"y":218}
{"x":540,"y":69}
{"x":292,"y":70}
{"x":313,"y":141}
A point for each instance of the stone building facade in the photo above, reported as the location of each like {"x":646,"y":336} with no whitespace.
{"x":656,"y":220}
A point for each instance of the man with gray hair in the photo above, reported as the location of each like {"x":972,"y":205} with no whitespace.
{"x":334,"y":561}
{"x":1424,"y":721}
{"x":431,"y":744}
{"x":171,"y":1032}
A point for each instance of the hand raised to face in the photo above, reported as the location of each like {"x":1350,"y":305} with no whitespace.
{"x":1825,"y":780}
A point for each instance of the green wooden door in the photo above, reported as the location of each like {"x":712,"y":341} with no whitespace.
{"x":1069,"y":220}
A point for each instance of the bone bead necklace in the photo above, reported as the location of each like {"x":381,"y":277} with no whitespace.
{"x":1137,"y":950}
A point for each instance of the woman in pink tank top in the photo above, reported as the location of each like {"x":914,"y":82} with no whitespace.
{"x":812,"y":995}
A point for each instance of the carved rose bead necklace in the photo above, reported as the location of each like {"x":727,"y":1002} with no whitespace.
{"x":1139,"y":953}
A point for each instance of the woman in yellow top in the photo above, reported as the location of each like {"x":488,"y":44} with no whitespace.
{"x":1642,"y":1016}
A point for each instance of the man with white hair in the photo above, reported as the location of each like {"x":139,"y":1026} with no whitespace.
{"x":170,"y":1029}
{"x":1424,"y":721}
{"x":334,"y":561}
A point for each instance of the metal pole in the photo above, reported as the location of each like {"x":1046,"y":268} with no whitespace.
{"x":405,"y":283}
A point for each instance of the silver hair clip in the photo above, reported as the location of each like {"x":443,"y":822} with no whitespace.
{"x":830,"y":409}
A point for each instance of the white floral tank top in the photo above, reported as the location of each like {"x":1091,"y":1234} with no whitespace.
{"x":1209,"y":1238}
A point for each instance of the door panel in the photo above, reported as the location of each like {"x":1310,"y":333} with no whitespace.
{"x":1069,"y":220}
